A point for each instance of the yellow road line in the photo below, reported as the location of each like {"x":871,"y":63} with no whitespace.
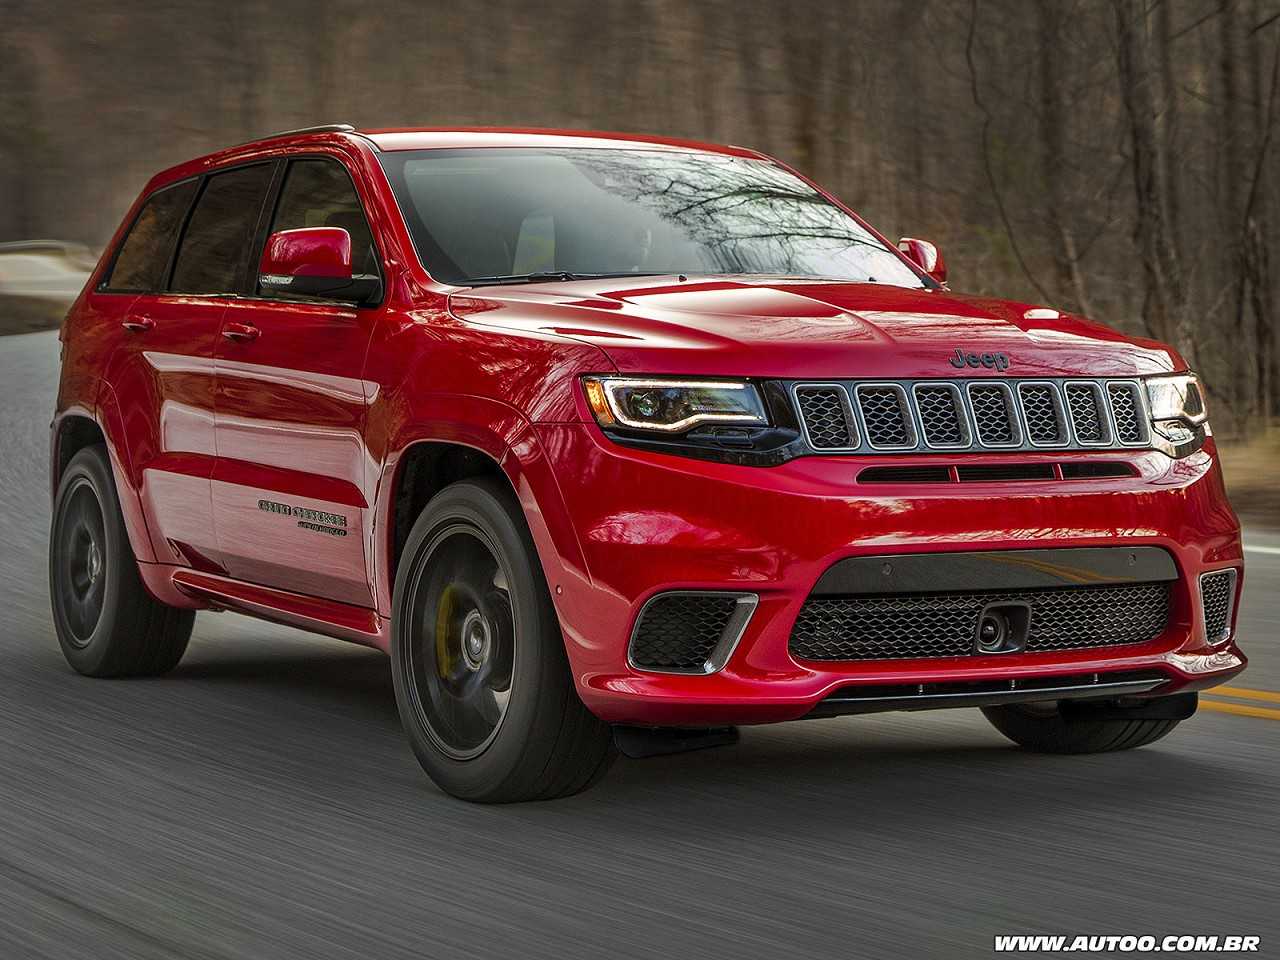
{"x":1243,"y":693}
{"x":1239,"y":709}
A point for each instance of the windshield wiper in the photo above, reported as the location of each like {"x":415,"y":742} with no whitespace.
{"x":548,"y":276}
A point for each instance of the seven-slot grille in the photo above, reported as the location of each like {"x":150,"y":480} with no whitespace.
{"x":907,"y":416}
{"x":910,"y":626}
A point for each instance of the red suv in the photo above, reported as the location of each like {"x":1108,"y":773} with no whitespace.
{"x":615,"y":443}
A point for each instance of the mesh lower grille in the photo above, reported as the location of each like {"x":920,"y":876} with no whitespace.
{"x":1217,"y":593}
{"x":910,"y":626}
{"x":680,"y":631}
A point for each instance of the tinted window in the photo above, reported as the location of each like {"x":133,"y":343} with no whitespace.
{"x":215,"y":246}
{"x":318,"y":193}
{"x":144,"y":255}
{"x":487,"y":213}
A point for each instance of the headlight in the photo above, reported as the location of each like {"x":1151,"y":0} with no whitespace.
{"x":1178,"y":413}
{"x":673,"y":406}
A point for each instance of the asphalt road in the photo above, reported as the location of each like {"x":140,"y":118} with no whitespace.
{"x":260,"y":802}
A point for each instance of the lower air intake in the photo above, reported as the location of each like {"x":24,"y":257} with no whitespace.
{"x":1217,"y":596}
{"x":911,"y":626}
{"x":689,"y":631}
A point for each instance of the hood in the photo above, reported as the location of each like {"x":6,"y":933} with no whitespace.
{"x":787,"y":329}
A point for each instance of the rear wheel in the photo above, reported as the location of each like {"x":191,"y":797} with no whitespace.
{"x":481,"y":678}
{"x":1048,"y":728}
{"x":107,"y":624}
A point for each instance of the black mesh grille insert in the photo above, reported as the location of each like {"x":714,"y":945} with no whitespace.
{"x":979,"y":472}
{"x":905,"y":475}
{"x":1086,"y":415}
{"x":1217,"y":592}
{"x":909,"y":626}
{"x":680,"y":631}
{"x":1125,"y":410}
{"x":826,"y":417}
{"x":886,"y":417}
{"x":1094,"y":470}
{"x":1041,"y":413}
{"x":941,"y":416}
{"x":993,"y":414}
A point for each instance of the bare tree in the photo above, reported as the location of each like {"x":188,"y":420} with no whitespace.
{"x":1164,"y":307}
{"x":1258,"y":231}
{"x":1056,"y":70}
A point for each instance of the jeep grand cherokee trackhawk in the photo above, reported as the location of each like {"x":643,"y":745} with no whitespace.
{"x":616,"y":443}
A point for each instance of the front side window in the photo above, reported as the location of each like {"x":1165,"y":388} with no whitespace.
{"x":319,"y":193}
{"x":144,"y":255}
{"x":215,"y":246}
{"x":483,"y":215}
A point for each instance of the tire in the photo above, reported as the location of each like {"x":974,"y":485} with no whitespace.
{"x":481,"y":678}
{"x":1046,"y":728}
{"x":107,"y":624}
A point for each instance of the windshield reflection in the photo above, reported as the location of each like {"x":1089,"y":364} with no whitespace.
{"x":512,"y":213}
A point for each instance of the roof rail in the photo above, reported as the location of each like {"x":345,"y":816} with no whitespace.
{"x":321,"y":128}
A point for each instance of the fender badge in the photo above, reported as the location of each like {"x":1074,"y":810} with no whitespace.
{"x":333,"y":524}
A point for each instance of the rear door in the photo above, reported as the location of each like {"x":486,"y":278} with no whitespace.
{"x":291,"y":488}
{"x":185,"y":256}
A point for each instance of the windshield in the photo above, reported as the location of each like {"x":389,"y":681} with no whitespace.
{"x":494,"y":214}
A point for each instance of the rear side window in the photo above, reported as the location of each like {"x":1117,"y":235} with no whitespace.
{"x":215,"y":246}
{"x":319,"y":193}
{"x":144,"y":255}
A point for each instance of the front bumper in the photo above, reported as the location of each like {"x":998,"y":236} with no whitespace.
{"x":648,"y":523}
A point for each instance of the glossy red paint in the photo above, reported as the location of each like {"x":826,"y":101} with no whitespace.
{"x":649,"y":523}
{"x":290,"y":422}
{"x":809,"y":328}
{"x":308,"y":252}
{"x":925,"y":256}
{"x":222,"y":412}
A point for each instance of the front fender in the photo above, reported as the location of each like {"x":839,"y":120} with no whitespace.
{"x":501,"y":433}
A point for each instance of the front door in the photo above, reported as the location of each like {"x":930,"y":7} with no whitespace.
{"x":292,"y":486}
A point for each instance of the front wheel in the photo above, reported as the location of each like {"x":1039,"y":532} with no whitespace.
{"x":481,"y":678}
{"x":1048,"y":728}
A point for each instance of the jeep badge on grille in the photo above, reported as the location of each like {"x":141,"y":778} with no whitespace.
{"x":961,"y":359}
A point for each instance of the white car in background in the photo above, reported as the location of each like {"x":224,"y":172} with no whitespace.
{"x":38,"y":281}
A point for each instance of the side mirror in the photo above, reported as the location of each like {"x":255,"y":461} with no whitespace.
{"x":314,"y":262}
{"x":925,"y":256}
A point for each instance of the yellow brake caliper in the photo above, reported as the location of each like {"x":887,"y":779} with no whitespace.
{"x":444,"y":615}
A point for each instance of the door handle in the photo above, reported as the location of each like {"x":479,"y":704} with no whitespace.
{"x":240,"y":332}
{"x":138,"y":324}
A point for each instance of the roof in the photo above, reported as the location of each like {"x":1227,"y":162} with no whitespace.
{"x":428,"y":138}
